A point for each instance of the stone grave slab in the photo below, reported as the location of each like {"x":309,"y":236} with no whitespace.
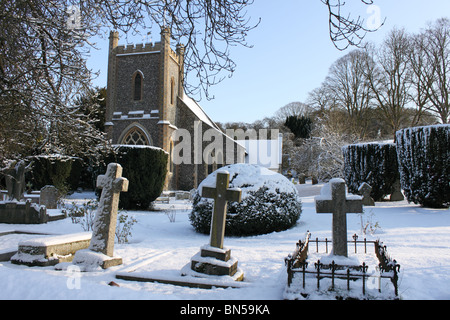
{"x":48,"y":251}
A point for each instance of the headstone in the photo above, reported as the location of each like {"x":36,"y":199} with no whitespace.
{"x":396,"y":194}
{"x":364,"y":190}
{"x":214,"y":259}
{"x":49,"y":197}
{"x":101,"y":249}
{"x":221,"y":195}
{"x":334,"y":199}
{"x":302,"y":179}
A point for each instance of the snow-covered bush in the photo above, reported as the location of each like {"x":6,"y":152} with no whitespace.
{"x":373,"y":163}
{"x":269,"y":202}
{"x":424,"y":164}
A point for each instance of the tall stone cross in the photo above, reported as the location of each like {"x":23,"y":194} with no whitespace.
{"x":105,"y":221}
{"x":339,"y":205}
{"x":221,"y":195}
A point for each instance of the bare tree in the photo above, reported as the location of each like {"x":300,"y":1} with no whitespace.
{"x":422,"y":75}
{"x":42,"y":68}
{"x":437,"y":51}
{"x":296,"y":109}
{"x":389,"y":76}
{"x":352,"y":92}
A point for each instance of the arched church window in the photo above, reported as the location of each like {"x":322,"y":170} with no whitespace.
{"x":135,"y":137}
{"x":137,"y":84}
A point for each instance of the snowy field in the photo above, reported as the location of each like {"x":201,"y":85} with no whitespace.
{"x":418,"y":238}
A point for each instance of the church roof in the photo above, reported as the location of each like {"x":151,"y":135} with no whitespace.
{"x":198,"y":111}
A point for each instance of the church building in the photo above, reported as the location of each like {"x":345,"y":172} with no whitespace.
{"x":146,"y":104}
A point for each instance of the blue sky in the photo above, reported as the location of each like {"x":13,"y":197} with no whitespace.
{"x":291,"y":53}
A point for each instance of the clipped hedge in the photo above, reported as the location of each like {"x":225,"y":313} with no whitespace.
{"x":145,"y":167}
{"x":269,"y":202}
{"x":51,"y":170}
{"x":373,"y":163}
{"x":424,"y":164}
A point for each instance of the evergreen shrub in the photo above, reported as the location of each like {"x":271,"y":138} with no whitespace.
{"x":269,"y":202}
{"x":51,"y":170}
{"x":373,"y":163}
{"x":145,"y":167}
{"x":424,"y":164}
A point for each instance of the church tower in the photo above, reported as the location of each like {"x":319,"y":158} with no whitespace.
{"x":144,"y":83}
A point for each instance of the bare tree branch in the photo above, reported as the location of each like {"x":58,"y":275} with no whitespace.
{"x":346,"y":31}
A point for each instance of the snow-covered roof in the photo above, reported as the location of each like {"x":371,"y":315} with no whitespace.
{"x":198,"y":111}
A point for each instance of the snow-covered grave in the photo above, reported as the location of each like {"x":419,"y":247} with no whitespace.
{"x":418,"y":238}
{"x":51,"y":250}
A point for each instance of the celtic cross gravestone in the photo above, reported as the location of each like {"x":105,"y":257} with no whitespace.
{"x":101,"y":249}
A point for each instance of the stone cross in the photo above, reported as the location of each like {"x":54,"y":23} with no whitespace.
{"x":221,"y":195}
{"x":339,"y":205}
{"x":105,"y":221}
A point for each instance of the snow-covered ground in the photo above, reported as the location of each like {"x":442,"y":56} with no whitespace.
{"x":418,"y":238}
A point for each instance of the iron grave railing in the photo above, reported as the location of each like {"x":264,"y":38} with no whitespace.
{"x":297,"y":263}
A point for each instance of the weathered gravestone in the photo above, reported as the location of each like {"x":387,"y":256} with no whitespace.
{"x":215,"y":259}
{"x":397,"y":194}
{"x":101,"y":249}
{"x":364,"y":190}
{"x":49,"y":197}
{"x":334,"y":199}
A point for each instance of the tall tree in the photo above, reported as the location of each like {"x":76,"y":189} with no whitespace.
{"x":347,"y":81}
{"x":437,"y":51}
{"x":389,"y":76}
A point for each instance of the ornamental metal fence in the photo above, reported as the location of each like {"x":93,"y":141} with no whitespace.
{"x":297,"y":263}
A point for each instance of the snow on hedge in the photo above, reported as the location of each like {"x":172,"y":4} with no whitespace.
{"x":424,"y":164}
{"x":374,"y":163}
